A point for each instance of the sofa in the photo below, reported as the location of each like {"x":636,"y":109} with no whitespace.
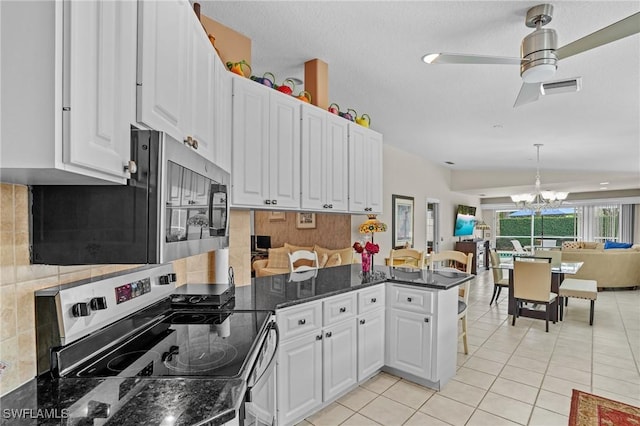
{"x":278,"y":259}
{"x":609,"y":267}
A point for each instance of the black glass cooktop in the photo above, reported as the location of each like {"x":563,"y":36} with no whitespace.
{"x":183,"y":343}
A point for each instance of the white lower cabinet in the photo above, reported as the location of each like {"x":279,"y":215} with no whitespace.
{"x":409,"y":342}
{"x":339,"y":361}
{"x":371,"y":334}
{"x":299,"y":377}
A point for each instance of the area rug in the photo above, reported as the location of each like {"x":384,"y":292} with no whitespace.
{"x":593,"y":410}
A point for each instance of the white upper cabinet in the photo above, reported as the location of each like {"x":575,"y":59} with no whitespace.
{"x":266,"y":147}
{"x":163,"y":66}
{"x":365,"y":170}
{"x":223,"y":109}
{"x":99,"y":71}
{"x":324,"y":168}
{"x":68,"y":91}
{"x":176,"y":76}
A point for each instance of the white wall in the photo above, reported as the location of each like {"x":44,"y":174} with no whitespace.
{"x":409,"y":175}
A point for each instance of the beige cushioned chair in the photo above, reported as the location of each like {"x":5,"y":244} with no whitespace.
{"x":532,"y":283}
{"x":411,"y":258}
{"x":499,"y":281}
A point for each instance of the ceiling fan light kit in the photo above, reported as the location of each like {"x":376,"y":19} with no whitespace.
{"x":539,"y":53}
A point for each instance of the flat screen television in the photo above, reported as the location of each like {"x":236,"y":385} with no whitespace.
{"x":465,"y":221}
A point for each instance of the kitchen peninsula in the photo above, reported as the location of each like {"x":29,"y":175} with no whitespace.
{"x":337,"y":329}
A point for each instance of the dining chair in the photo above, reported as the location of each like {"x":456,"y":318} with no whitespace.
{"x":451,"y":259}
{"x":518,"y":247}
{"x":410,"y":258}
{"x":532,"y":284}
{"x":297,"y":255}
{"x":499,"y":281}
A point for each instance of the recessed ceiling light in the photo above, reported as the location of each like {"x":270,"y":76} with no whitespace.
{"x":451,"y":163}
{"x":604,"y":183}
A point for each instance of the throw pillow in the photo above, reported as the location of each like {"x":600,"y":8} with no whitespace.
{"x":589,"y":245}
{"x":615,"y":244}
{"x":334,"y":260}
{"x":323,"y":260}
{"x":571,"y":244}
{"x":293,"y":248}
{"x":346,"y":254}
{"x":278,"y":258}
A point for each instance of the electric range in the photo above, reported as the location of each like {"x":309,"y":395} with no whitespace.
{"x":138,"y":325}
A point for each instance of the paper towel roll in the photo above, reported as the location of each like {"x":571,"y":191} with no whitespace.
{"x":222,"y":266}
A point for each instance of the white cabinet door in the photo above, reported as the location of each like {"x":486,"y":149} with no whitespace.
{"x":337,"y":163}
{"x":409,"y":342}
{"x":325,"y":156}
{"x":202,"y":92}
{"x":223,"y":119}
{"x":250,"y":159}
{"x":163,"y":66}
{"x":365,"y":170}
{"x":339,"y":358}
{"x":313,"y":173}
{"x":99,"y":84}
{"x":299,"y":373}
{"x":266,"y":147}
{"x":371,"y":340}
{"x":284,"y":150}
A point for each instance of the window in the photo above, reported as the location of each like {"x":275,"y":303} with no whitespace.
{"x":599,"y":222}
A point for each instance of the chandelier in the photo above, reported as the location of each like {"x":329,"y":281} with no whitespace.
{"x":539,"y":200}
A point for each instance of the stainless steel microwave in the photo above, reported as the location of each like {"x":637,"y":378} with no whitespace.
{"x":175,"y":205}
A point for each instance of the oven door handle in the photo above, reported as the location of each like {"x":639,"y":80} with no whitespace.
{"x":274,"y":326}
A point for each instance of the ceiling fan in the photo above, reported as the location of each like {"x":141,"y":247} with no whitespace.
{"x":540,"y":55}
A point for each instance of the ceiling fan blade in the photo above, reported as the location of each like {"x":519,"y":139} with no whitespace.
{"x":621,"y":29}
{"x":460,"y":58}
{"x":529,"y":92}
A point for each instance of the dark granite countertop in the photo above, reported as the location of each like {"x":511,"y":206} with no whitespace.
{"x":181,"y":401}
{"x":280,"y":291}
{"x":148,"y":401}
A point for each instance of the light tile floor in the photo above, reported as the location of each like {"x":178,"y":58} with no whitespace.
{"x":512,"y":375}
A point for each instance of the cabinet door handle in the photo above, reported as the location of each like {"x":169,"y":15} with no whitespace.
{"x":319,"y":337}
{"x":302,"y":321}
{"x":373,"y":300}
{"x":426,"y":320}
{"x":343,"y":310}
{"x":409,"y":299}
{"x":328,"y":334}
{"x":362,"y":321}
{"x":325,"y":206}
{"x":330,"y":206}
{"x":267,"y":201}
{"x":274,"y":202}
{"x":131,"y":167}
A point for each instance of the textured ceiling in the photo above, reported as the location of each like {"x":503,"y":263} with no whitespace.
{"x":464,"y":113}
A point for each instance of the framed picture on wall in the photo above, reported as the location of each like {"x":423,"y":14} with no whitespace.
{"x":402,"y":221}
{"x":305,"y":220}
{"x":277,"y":216}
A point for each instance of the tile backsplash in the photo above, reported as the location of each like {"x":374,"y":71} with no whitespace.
{"x":19,"y":280}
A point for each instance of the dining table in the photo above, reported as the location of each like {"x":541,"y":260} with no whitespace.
{"x":557,"y":276}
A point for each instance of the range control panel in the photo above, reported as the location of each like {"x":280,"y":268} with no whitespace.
{"x":132,"y":290}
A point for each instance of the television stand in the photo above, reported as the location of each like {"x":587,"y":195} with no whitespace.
{"x":480,"y":251}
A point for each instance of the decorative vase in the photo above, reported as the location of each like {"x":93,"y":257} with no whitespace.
{"x":366,"y":262}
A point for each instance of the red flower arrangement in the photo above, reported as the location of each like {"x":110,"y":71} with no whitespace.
{"x":369,"y":247}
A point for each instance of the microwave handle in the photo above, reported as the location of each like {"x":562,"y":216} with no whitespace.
{"x":213,"y":189}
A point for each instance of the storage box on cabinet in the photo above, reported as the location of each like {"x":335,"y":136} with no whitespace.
{"x":410,"y":299}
